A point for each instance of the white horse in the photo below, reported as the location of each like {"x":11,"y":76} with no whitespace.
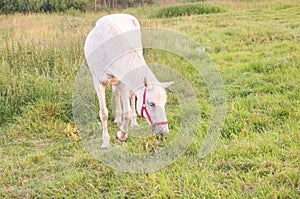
{"x":114,"y":53}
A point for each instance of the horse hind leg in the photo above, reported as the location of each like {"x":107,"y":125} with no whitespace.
{"x":117,"y":94}
{"x":103,"y":114}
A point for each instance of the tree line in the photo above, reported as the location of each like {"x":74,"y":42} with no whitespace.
{"x":34,"y":6}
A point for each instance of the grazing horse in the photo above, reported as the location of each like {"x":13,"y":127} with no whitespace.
{"x":114,"y":54}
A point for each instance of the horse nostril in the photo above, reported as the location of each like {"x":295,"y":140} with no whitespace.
{"x":166,"y":133}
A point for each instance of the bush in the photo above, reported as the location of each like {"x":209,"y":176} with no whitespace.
{"x":8,"y":6}
{"x":29,"y":6}
{"x":186,"y":9}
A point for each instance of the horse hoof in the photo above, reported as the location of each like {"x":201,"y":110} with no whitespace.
{"x":134,"y":124}
{"x":118,"y":121}
{"x":121,"y":136}
{"x":105,"y":146}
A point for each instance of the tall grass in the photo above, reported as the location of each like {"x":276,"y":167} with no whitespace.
{"x":39,"y":61}
{"x":186,"y":10}
{"x":257,"y":4}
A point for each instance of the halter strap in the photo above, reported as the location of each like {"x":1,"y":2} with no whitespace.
{"x":144,"y":109}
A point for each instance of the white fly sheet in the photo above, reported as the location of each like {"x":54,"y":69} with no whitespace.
{"x":114,"y":48}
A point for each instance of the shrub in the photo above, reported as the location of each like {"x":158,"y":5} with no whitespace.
{"x":27,"y":6}
{"x":186,"y":9}
{"x":8,"y":6}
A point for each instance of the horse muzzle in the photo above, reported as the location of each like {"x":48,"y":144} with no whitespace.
{"x":160,"y":128}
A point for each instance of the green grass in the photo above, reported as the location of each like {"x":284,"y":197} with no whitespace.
{"x":186,"y":10}
{"x":255,"y":45}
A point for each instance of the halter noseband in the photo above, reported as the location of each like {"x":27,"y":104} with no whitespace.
{"x":144,"y":109}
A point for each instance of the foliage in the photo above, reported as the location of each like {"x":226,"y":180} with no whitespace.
{"x":29,"y":6}
{"x":111,"y":4}
{"x":191,"y":1}
{"x":8,"y":6}
{"x":186,"y":10}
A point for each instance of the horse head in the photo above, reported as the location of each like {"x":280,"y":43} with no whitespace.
{"x":151,"y":101}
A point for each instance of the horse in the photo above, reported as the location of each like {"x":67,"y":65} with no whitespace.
{"x":114,"y":53}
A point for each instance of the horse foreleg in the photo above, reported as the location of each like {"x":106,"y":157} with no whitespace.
{"x":134,"y":116}
{"x":103,"y":114}
{"x":117,"y":93}
{"x":127,"y":112}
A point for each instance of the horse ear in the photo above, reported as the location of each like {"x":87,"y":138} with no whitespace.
{"x":145,"y":82}
{"x":166,"y":84}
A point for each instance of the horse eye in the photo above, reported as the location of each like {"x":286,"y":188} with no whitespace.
{"x":151,"y":104}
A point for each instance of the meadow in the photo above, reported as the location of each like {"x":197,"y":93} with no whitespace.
{"x":255,"y":46}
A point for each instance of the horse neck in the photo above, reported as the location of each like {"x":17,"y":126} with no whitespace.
{"x":139,"y":94}
{"x":132,"y":71}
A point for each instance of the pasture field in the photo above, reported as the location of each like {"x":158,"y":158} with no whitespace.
{"x":254,"y":44}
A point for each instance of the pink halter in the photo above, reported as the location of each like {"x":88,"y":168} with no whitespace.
{"x":144,"y":109}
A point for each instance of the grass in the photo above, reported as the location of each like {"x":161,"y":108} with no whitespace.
{"x":186,"y":10}
{"x":255,"y":45}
